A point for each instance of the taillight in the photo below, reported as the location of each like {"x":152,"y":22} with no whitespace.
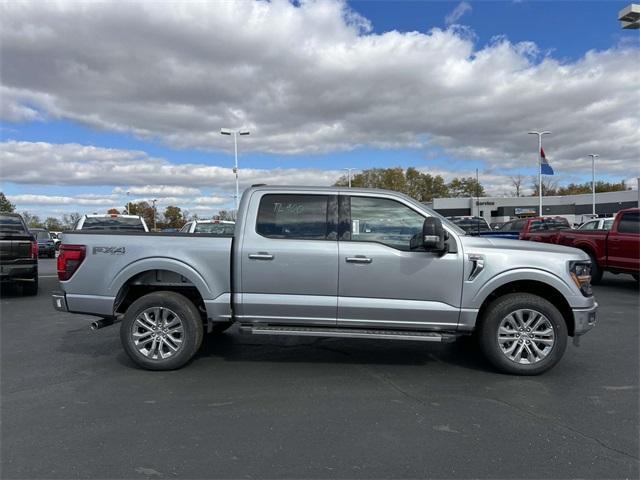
{"x":34,"y":249}
{"x":69,"y":259}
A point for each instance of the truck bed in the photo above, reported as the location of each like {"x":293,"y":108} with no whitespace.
{"x":114,"y":259}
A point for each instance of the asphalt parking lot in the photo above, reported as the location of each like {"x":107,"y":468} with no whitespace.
{"x":74,"y":406}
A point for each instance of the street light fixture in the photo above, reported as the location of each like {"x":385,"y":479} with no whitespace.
{"x":593,"y":181}
{"x":539,"y":134}
{"x":235,"y":133}
{"x":155,"y":214}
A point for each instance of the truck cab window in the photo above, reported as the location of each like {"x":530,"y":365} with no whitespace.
{"x":629,"y":223}
{"x":303,"y":217}
{"x":384,"y":221}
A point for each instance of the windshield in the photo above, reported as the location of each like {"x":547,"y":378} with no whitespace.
{"x":215,"y":228}
{"x":113,"y":223}
{"x":42,"y":235}
{"x":11,"y":224}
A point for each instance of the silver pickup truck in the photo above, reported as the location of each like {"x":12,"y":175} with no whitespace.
{"x":330,"y":262}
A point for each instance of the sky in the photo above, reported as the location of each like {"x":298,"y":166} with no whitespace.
{"x":107,"y":102}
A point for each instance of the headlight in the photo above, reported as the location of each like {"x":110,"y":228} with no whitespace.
{"x":581,"y":274}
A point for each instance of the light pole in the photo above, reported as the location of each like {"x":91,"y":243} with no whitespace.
{"x":539,"y":134}
{"x":128,"y":202}
{"x":593,"y":180}
{"x":155,"y":214}
{"x":235,"y":133}
{"x":349,"y":174}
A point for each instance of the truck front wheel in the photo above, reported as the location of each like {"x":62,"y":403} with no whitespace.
{"x":522,"y":334}
{"x":161,"y":331}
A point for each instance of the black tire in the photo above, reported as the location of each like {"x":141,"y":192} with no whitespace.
{"x":596,"y":271}
{"x":30,"y":288}
{"x":191,"y":337}
{"x":501,"y":308}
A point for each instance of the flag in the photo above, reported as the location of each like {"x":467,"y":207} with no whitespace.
{"x":545,"y":168}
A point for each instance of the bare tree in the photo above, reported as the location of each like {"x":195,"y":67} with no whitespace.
{"x":516,"y":181}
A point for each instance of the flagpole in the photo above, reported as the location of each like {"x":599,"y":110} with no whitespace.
{"x":539,"y":134}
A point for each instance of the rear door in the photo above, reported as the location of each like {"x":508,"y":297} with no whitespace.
{"x":289,"y":259}
{"x":382,"y":283}
{"x":624,"y":245}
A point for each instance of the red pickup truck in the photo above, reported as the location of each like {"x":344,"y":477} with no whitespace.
{"x":543,"y":229}
{"x":616,"y":250}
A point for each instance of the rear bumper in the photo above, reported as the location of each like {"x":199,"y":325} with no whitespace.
{"x":59,"y":301}
{"x":17,"y":273}
{"x":584,"y":319}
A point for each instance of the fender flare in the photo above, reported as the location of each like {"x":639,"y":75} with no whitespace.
{"x":522,"y":274}
{"x":160,"y":263}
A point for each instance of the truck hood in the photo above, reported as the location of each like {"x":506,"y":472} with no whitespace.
{"x":521,"y":246}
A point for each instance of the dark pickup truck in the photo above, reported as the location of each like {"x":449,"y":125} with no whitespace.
{"x":18,"y":253}
{"x":616,"y":250}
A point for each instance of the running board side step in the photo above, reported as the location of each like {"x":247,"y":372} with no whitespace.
{"x":350,"y":333}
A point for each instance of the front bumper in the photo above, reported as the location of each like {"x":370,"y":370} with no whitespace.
{"x":59,"y":301}
{"x":584,"y":319}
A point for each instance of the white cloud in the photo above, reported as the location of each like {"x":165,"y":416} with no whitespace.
{"x":461,"y":9}
{"x":158,"y":190}
{"x":310,"y":78}
{"x":30,"y":199}
{"x":41,"y":163}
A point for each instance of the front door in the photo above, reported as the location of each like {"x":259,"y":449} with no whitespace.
{"x":382,"y":283}
{"x":289,"y":263}
{"x":624,"y":246}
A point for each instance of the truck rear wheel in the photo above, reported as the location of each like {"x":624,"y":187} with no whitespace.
{"x":161,"y":331}
{"x":522,"y":334}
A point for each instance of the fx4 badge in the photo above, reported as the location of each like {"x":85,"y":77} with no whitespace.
{"x":109,"y":250}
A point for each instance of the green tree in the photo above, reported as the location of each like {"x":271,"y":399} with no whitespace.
{"x":53,"y":224}
{"x":144,"y":210}
{"x":173,"y":217}
{"x":424,"y":187}
{"x":32,"y":221}
{"x":601,"y":186}
{"x":5,"y":205}
{"x":465,"y":187}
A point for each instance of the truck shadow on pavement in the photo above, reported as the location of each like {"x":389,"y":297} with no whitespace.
{"x":237,"y":347}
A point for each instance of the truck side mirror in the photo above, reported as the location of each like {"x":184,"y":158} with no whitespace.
{"x":432,"y":238}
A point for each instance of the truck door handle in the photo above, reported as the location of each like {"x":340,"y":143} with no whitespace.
{"x":261,"y":256}
{"x":359,"y":259}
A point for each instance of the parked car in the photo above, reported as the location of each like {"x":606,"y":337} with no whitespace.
{"x":216,"y":227}
{"x":543,"y":229}
{"x":124,"y":223}
{"x":471,"y":225}
{"x":496,"y":225}
{"x":18,"y":253}
{"x":56,"y":237}
{"x":597,"y":224}
{"x":332,"y":262}
{"x":616,"y":250}
{"x":46,"y":245}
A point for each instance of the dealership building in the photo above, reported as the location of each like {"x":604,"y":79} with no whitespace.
{"x":575,"y":208}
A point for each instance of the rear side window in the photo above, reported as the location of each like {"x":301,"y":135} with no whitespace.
{"x":42,"y":235}
{"x":113,"y":223}
{"x":215,"y":228}
{"x":305,"y":217}
{"x":11,"y":224}
{"x":589,"y":225}
{"x":536,"y":226}
{"x":630,"y":223}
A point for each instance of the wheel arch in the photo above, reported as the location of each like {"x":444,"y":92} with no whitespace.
{"x":155,"y":274}
{"x":534,"y":287}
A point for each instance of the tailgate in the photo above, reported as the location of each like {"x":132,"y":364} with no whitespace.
{"x":15,"y":248}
